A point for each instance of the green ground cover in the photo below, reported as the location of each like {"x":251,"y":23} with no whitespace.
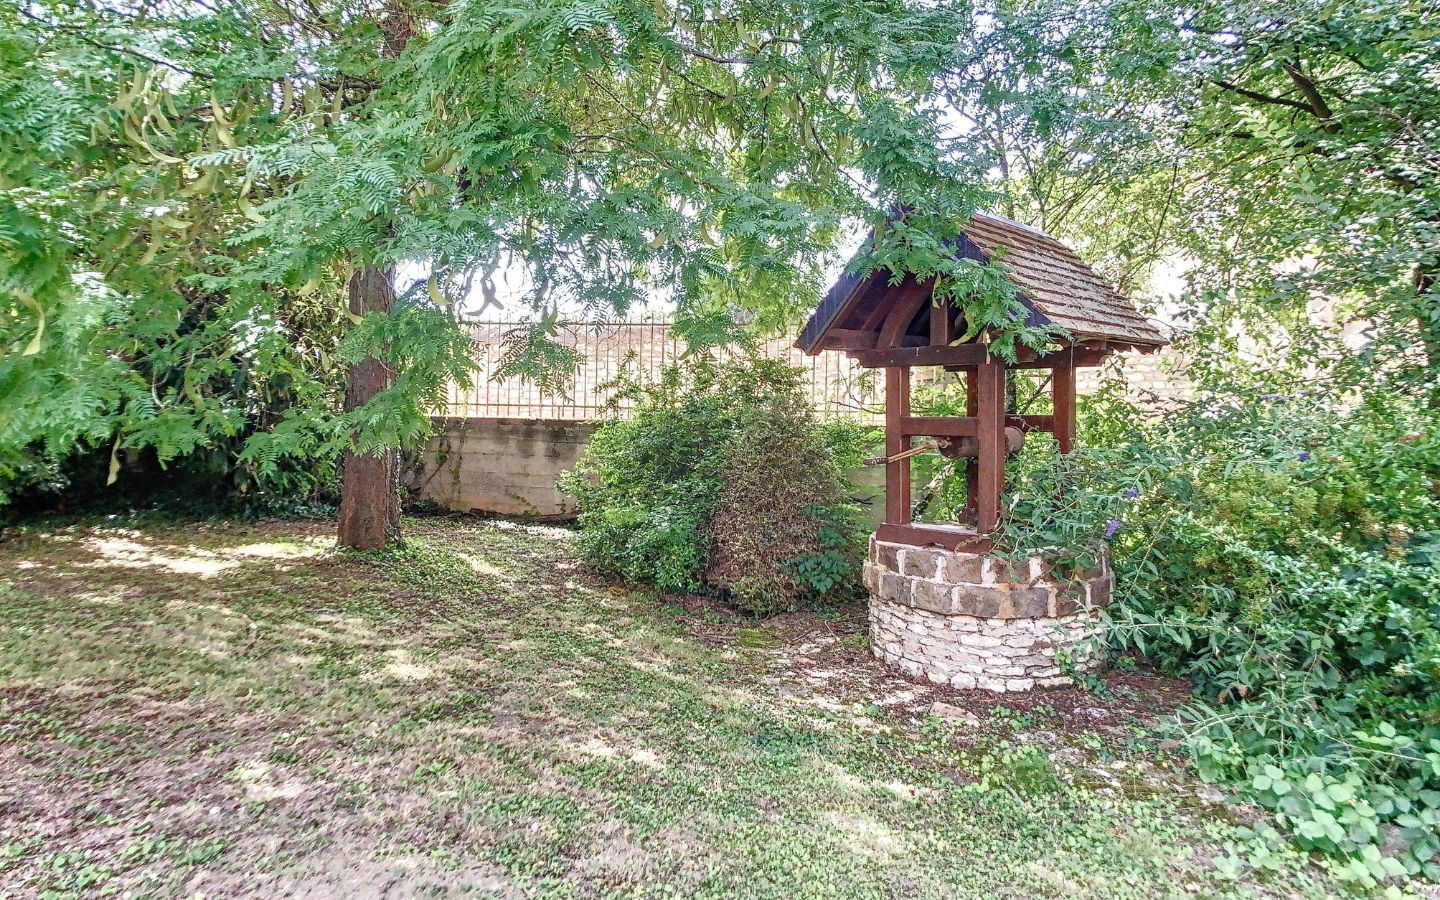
{"x":236,"y":709}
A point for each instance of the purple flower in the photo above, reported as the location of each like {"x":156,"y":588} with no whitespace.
{"x":1303,"y":456}
{"x":1132,"y":493}
{"x":1111,"y":527}
{"x":1269,"y":396}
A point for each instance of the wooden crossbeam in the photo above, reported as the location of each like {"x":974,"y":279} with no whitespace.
{"x":1070,"y":357}
{"x":950,"y":537}
{"x":964,"y":356}
{"x":849,"y":339}
{"x":967,"y":426}
{"x":939,"y":426}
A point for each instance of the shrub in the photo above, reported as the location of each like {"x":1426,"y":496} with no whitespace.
{"x":722,"y":480}
{"x":771,"y":539}
{"x":1283,"y":553}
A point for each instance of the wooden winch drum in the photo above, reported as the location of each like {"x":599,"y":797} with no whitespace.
{"x":969,"y":447}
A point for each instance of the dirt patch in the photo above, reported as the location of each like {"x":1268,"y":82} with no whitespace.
{"x":359,"y":878}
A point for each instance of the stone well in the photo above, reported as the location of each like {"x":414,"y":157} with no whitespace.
{"x":972,"y":620}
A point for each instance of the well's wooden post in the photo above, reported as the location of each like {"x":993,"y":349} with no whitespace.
{"x":897,"y":473}
{"x":940,"y":335}
{"x":1063,"y":387}
{"x":990,"y":394}
{"x":972,"y":470}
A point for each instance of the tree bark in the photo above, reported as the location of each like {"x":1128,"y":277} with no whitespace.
{"x":369,"y":493}
{"x":1428,"y":321}
{"x":369,"y":486}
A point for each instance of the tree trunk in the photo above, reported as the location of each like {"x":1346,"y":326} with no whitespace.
{"x":369,"y":493}
{"x":369,"y":487}
{"x":1427,"y":318}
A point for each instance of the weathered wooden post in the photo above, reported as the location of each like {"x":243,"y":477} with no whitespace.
{"x":942,"y":605}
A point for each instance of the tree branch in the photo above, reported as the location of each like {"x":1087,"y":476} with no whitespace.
{"x":1261,"y":98}
{"x":80,"y":32}
{"x":1318,"y":107}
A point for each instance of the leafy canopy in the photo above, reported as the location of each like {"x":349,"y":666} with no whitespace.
{"x":188,"y":187}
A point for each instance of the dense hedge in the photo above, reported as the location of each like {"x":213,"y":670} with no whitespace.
{"x":1283,"y":553}
{"x":723,"y":481}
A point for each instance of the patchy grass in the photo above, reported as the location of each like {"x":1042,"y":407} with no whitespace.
{"x":238,"y":709}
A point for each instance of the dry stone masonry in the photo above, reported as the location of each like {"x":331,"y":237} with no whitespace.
{"x":972,"y":620}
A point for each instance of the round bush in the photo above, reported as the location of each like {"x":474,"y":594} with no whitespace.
{"x":722,"y":481}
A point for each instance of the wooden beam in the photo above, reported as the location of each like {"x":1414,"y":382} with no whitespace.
{"x":951,"y":537}
{"x":965,"y":356}
{"x":1065,"y":356}
{"x":1025,"y":358}
{"x":897,"y":474}
{"x":940,"y":319}
{"x":1063,"y":388}
{"x":967,"y":426}
{"x":972,"y":472}
{"x":939,"y":426}
{"x":962,"y":355}
{"x":848,"y":339}
{"x":876,"y":317}
{"x":912,"y":296}
{"x":990,"y":381}
{"x":1031,"y":423}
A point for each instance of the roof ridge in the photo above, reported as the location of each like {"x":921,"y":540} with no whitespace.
{"x":1030,"y":228}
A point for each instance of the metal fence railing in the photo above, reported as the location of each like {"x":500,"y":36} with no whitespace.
{"x":835,"y":384}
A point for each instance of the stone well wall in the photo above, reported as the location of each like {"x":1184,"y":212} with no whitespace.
{"x":972,"y":620}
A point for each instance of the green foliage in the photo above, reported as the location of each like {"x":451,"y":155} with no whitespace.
{"x":1280,"y":159}
{"x":187,"y":191}
{"x":531,"y":352}
{"x":721,"y":480}
{"x":117,"y":340}
{"x":1026,"y":770}
{"x":1281,"y":552}
{"x":779,"y":533}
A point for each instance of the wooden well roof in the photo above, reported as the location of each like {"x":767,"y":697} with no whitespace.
{"x":1055,"y":284}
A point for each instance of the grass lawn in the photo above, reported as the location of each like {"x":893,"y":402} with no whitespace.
{"x":236,"y":709}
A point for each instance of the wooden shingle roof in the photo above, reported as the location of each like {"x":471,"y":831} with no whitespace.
{"x":1053,"y":281}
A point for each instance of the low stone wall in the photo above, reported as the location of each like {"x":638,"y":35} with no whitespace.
{"x":508,"y":467}
{"x":972,"y":621}
{"x":502,"y":467}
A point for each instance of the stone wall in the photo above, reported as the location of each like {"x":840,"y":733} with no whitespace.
{"x":508,"y":467}
{"x":972,"y":620}
{"x":500,"y":466}
{"x":1148,"y":378}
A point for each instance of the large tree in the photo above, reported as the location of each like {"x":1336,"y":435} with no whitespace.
{"x":273,"y":154}
{"x":203,"y":210}
{"x":1287,"y":156}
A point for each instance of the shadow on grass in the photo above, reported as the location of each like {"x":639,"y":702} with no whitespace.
{"x":243,"y":710}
